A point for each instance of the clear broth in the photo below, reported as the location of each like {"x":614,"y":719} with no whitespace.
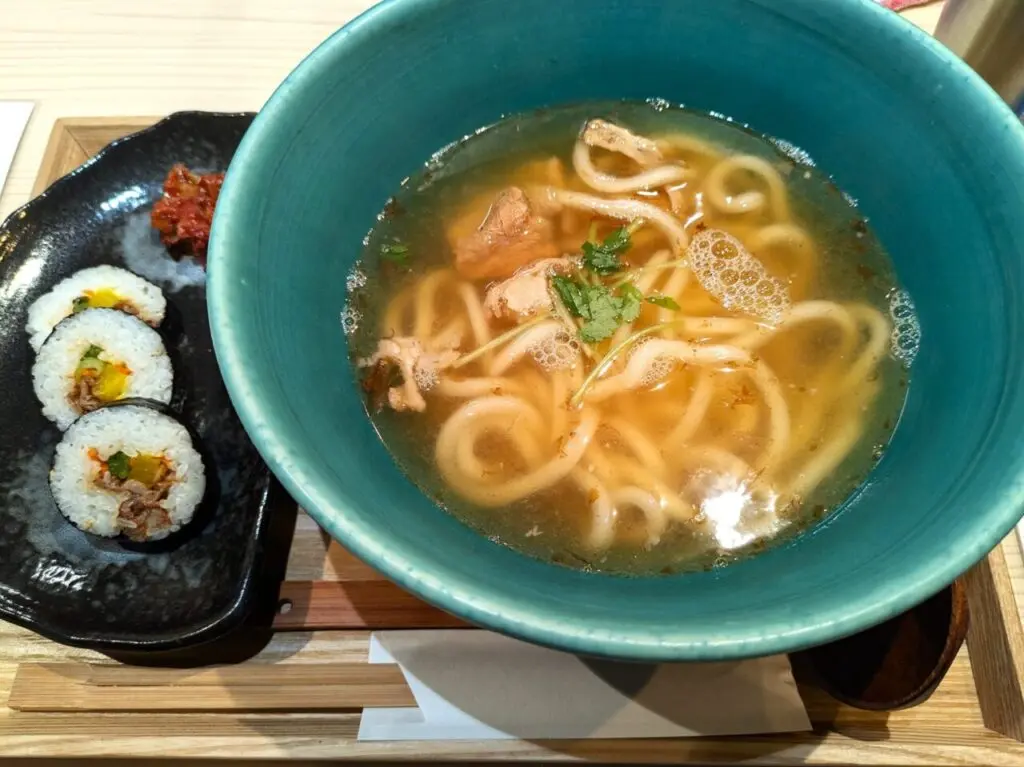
{"x":851,"y":267}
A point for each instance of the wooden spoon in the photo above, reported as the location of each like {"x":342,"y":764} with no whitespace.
{"x":896,"y":664}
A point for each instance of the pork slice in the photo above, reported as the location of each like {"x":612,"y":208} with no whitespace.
{"x":525,"y":294}
{"x":511,"y":235}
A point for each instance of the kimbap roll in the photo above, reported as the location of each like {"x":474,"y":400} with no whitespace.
{"x":127,"y":469}
{"x":96,"y":357}
{"x":99,"y":287}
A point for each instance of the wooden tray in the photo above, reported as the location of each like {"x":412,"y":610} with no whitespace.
{"x":289,"y":702}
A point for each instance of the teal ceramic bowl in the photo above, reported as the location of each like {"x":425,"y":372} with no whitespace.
{"x":935,"y":159}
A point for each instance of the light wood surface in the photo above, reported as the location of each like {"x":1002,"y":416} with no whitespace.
{"x":999,"y":665}
{"x":245,"y":687}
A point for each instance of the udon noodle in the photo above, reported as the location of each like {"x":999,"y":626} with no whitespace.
{"x":633,"y":349}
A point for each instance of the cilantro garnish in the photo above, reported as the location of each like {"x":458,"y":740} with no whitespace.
{"x":603,"y":258}
{"x":604,"y":314}
{"x":603,"y":310}
{"x":632,"y":301}
{"x":571,"y":292}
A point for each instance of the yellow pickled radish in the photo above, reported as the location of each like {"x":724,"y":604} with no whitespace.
{"x":111,"y":383}
{"x":104,"y":298}
{"x":147,"y":469}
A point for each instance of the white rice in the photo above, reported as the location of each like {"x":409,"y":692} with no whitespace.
{"x":51,"y":308}
{"x":130,"y":429}
{"x":122,"y":337}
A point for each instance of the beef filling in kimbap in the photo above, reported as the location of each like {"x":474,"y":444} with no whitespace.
{"x":144,"y":481}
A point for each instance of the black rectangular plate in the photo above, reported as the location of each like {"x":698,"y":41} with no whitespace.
{"x":110,"y":594}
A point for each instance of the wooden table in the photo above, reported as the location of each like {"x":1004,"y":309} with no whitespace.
{"x":110,"y":57}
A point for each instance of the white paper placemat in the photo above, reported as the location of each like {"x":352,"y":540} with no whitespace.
{"x":13,"y":121}
{"x":477,"y":685}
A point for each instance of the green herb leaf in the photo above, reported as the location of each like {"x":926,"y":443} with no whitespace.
{"x":81,"y":303}
{"x":604,"y":314}
{"x":665,"y":302}
{"x":632,"y":301}
{"x":603,"y":310}
{"x":119,"y":465}
{"x":571,"y":293}
{"x":396,"y":252}
{"x":600,"y":261}
{"x":604,"y":258}
{"x":598,"y":330}
{"x":618,"y":240}
{"x":93,"y":352}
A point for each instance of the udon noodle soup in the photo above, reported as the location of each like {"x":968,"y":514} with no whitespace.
{"x":629,"y":338}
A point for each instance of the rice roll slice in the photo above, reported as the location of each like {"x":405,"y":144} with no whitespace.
{"x":97,"y":357}
{"x":98,"y":287}
{"x":127,"y":470}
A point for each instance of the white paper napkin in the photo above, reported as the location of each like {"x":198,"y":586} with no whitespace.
{"x":13,"y":121}
{"x":476,"y":685}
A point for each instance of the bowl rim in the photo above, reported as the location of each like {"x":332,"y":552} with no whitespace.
{"x":915,"y":584}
